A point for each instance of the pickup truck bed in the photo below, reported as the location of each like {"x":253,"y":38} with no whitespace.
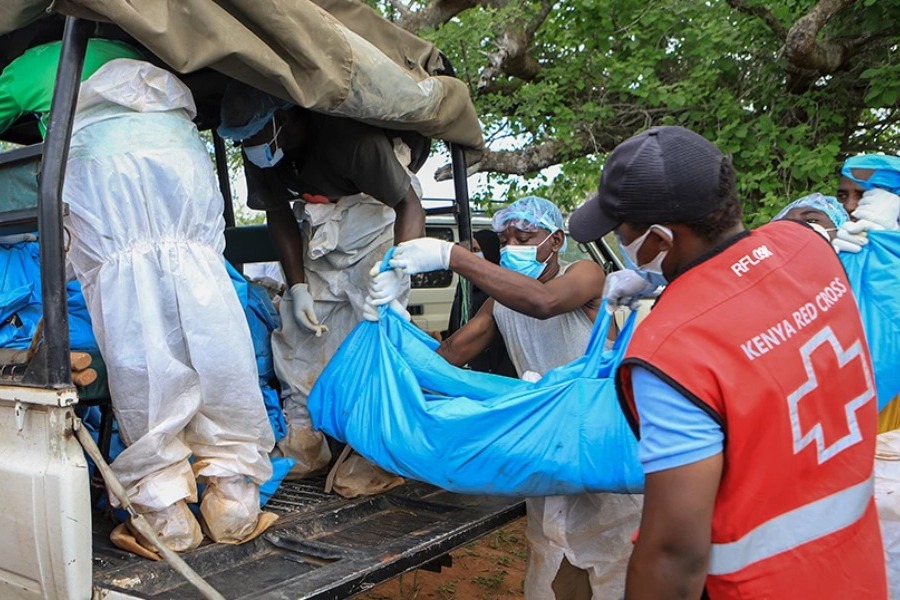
{"x":323,"y":546}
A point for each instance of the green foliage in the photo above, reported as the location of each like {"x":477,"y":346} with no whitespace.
{"x":620,"y":66}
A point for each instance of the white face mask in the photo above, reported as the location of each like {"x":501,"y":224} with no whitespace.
{"x":479,"y":254}
{"x":654,"y":267}
{"x":822,"y":231}
{"x":262,"y":155}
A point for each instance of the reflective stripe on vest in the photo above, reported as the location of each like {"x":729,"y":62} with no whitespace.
{"x":789,"y":530}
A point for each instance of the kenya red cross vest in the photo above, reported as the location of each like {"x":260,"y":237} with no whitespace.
{"x":765,"y":336}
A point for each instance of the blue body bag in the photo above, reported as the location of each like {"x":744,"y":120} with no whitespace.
{"x":874,"y":275}
{"x":390,"y":396}
{"x":21,"y":305}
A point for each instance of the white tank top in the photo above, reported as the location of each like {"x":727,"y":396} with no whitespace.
{"x":542,"y":345}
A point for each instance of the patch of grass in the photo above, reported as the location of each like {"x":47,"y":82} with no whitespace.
{"x":520,"y":553}
{"x":504,"y":561}
{"x":447,"y":591}
{"x":504,"y":539}
{"x":492,"y":581}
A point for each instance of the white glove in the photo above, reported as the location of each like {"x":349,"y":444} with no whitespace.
{"x":852,"y":235}
{"x":879,"y":207}
{"x":625,"y":288}
{"x":422,"y":256}
{"x":385,"y":286}
{"x":370,"y":310}
{"x":17,"y":238}
{"x":531,"y":376}
{"x":303,"y":311}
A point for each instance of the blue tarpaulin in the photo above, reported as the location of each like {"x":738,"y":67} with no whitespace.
{"x":390,"y":396}
{"x":20,"y":300}
{"x":263,"y":319}
{"x":21,"y":309}
{"x":874,"y":275}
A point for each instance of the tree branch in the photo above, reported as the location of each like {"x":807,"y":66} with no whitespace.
{"x":802,"y":47}
{"x":401,"y":8}
{"x":762,"y":13}
{"x":588,"y":139}
{"x":512,"y":57}
{"x":437,"y":12}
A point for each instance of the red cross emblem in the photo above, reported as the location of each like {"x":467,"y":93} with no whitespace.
{"x":809,"y":427}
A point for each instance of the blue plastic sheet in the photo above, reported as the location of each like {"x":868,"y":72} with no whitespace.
{"x":388,"y":394}
{"x":21,"y":305}
{"x":874,"y":275}
{"x":263,"y":319}
{"x":885,"y":171}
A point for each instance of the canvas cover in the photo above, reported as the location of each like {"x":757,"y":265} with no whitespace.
{"x":334,"y":56}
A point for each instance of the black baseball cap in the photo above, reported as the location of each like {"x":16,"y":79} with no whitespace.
{"x":661,"y":175}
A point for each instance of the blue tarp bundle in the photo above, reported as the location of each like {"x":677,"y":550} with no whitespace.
{"x":263,"y":319}
{"x":21,"y":309}
{"x":388,"y":394}
{"x":874,"y":275}
{"x":20,"y":300}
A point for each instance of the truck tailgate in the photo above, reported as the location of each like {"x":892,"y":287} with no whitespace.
{"x":322,"y":546}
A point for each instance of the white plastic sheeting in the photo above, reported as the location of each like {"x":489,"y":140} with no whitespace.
{"x":343,"y":241}
{"x":887,"y":499}
{"x":147,"y":241}
{"x":592,"y":531}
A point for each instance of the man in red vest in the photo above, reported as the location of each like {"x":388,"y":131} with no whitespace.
{"x":749,"y":385}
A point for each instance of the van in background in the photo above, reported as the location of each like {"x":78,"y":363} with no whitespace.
{"x":431,"y":296}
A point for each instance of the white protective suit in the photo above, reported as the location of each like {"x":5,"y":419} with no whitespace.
{"x":147,"y":241}
{"x":591,"y":531}
{"x":343,"y":242}
{"x":887,"y":499}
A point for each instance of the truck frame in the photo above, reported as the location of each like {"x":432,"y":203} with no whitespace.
{"x":54,"y":544}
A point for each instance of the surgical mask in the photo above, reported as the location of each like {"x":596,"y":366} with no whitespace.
{"x":651,"y":271}
{"x":822,"y":231}
{"x":523,"y":259}
{"x":479,"y":254}
{"x":262,"y":155}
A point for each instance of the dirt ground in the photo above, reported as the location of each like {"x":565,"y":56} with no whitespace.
{"x":492,"y":568}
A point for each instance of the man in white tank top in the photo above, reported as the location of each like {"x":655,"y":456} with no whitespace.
{"x":578,"y":546}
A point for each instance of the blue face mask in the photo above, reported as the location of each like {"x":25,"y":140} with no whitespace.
{"x":262,"y":155}
{"x":523,"y":259}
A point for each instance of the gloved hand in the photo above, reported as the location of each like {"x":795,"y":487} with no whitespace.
{"x":370,"y":310}
{"x":385,"y":286}
{"x":422,"y":256}
{"x":879,"y":207}
{"x":303,"y":311}
{"x":625,"y":288}
{"x":531,"y":376}
{"x":852,"y":236}
{"x":840,"y":245}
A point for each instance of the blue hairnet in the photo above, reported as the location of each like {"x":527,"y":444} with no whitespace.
{"x":886,"y":175}
{"x":246,"y":110}
{"x":827,"y":204}
{"x":529,"y":213}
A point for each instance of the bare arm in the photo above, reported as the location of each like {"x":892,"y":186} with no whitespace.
{"x":410,"y":221}
{"x":580,"y":285}
{"x":285,"y":233}
{"x":671,"y":556}
{"x":471,"y":339}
